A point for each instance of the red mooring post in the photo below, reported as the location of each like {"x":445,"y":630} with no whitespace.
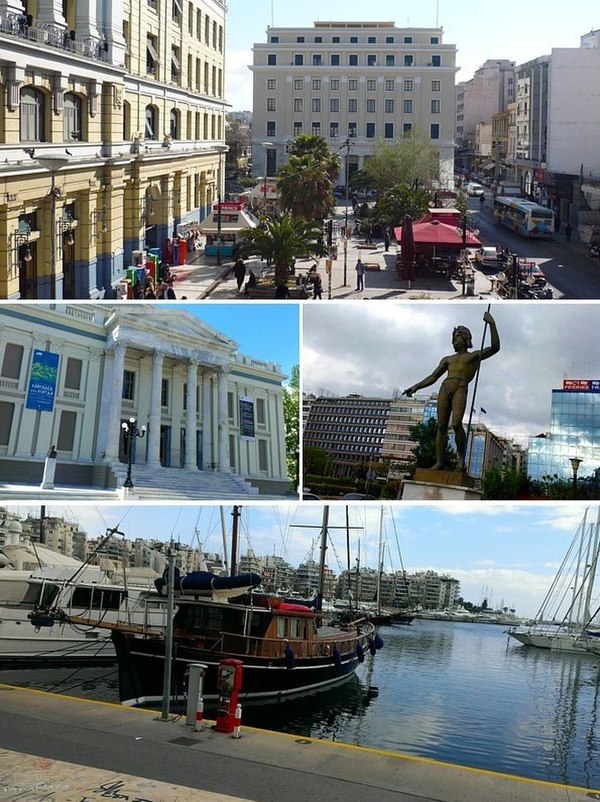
{"x":237,"y":722}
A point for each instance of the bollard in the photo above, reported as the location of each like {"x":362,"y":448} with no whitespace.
{"x":237,"y":722}
{"x":199,"y":715}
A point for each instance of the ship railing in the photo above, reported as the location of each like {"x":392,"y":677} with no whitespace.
{"x":240,"y":645}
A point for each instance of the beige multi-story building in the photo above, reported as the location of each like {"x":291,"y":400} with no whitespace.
{"x":354,"y":83}
{"x":489,"y":91}
{"x":111,"y":136}
{"x":403,"y":415}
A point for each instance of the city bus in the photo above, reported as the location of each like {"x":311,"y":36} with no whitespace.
{"x":526,"y":218}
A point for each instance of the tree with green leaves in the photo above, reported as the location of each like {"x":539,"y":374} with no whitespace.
{"x":291,"y":417}
{"x":424,"y":435}
{"x":413,"y":160}
{"x":280,"y":239}
{"x":305,"y":182}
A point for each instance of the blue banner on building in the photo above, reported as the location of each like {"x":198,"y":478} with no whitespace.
{"x":42,"y":381}
{"x":246,"y":418}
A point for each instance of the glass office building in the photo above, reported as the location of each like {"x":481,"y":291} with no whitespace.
{"x":574,"y":432}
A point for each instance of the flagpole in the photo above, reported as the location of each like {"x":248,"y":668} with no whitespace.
{"x":475,"y":393}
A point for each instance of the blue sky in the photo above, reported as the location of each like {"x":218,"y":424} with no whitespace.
{"x":266,"y":331}
{"x":513,"y":29}
{"x":506,"y":553}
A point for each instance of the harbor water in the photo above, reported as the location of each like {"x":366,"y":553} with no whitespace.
{"x":455,"y":692}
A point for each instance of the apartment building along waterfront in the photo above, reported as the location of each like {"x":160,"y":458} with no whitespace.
{"x":353,"y":83}
{"x":111,"y":137}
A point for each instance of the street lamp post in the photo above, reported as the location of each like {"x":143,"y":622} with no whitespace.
{"x":53,"y":164}
{"x":347,"y":146}
{"x":131,"y":431}
{"x":575,"y":463}
{"x":221,"y":149}
{"x":265,"y":146}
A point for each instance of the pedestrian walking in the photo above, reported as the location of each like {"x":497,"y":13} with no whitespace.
{"x":386,"y":240}
{"x":239,"y":271}
{"x":281,"y":290}
{"x":317,"y":287}
{"x":360,"y":276}
{"x":568,"y":231}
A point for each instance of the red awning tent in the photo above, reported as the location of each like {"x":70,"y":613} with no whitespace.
{"x":439,"y":235}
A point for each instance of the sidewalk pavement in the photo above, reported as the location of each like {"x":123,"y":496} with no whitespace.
{"x":202,"y":278}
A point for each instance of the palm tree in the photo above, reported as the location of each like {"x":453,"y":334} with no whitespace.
{"x":305,"y":182}
{"x":399,"y":201}
{"x":282,"y":237}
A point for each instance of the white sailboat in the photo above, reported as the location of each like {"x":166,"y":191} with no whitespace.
{"x":563,"y":622}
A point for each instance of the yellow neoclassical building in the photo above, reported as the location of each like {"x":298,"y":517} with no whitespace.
{"x":111,"y":136}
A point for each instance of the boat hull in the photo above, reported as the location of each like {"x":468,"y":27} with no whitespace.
{"x":141,"y":670}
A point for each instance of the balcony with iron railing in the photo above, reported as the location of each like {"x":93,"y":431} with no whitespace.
{"x":23,"y":26}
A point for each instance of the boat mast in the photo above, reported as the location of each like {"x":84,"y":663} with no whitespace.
{"x":592,"y":572}
{"x":224,"y":536}
{"x":379,"y":562}
{"x":324,"y":525}
{"x":236,"y":513}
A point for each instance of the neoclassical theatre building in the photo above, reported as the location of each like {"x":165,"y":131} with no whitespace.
{"x":72,"y":375}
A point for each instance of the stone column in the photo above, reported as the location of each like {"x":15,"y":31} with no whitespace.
{"x":111,"y":25}
{"x":223,"y":421}
{"x":51,"y":12}
{"x":85,"y":19}
{"x":190,"y":415}
{"x":154,"y":417}
{"x":115,"y":393}
{"x":207,"y":420}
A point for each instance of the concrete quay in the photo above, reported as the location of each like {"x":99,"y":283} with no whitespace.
{"x":64,"y":749}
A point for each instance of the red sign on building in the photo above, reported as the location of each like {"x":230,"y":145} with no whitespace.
{"x":577,"y":384}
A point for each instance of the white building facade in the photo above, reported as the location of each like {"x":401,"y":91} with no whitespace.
{"x":101,"y":366}
{"x":353,"y":83}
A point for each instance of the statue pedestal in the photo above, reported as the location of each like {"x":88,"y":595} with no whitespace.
{"x":432,"y":485}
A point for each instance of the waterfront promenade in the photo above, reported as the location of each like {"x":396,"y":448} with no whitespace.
{"x":73,"y":750}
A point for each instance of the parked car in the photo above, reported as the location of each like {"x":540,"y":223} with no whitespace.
{"x":475,"y":190}
{"x":358,"y":497}
{"x":310,"y":497}
{"x":485,"y":256}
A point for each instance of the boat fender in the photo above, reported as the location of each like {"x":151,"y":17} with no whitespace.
{"x":39,"y":620}
{"x":378,"y":641}
{"x":290,"y":657}
{"x":337,"y":657}
{"x":372,"y":647}
{"x":360,"y":653}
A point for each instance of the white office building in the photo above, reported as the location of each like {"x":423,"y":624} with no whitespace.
{"x":352,"y":81}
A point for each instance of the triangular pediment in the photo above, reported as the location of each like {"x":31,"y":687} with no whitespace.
{"x":172,"y":326}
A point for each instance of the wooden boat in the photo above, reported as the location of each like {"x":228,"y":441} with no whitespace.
{"x":285,"y":647}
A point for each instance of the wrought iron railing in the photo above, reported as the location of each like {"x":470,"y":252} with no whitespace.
{"x":25,"y":27}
